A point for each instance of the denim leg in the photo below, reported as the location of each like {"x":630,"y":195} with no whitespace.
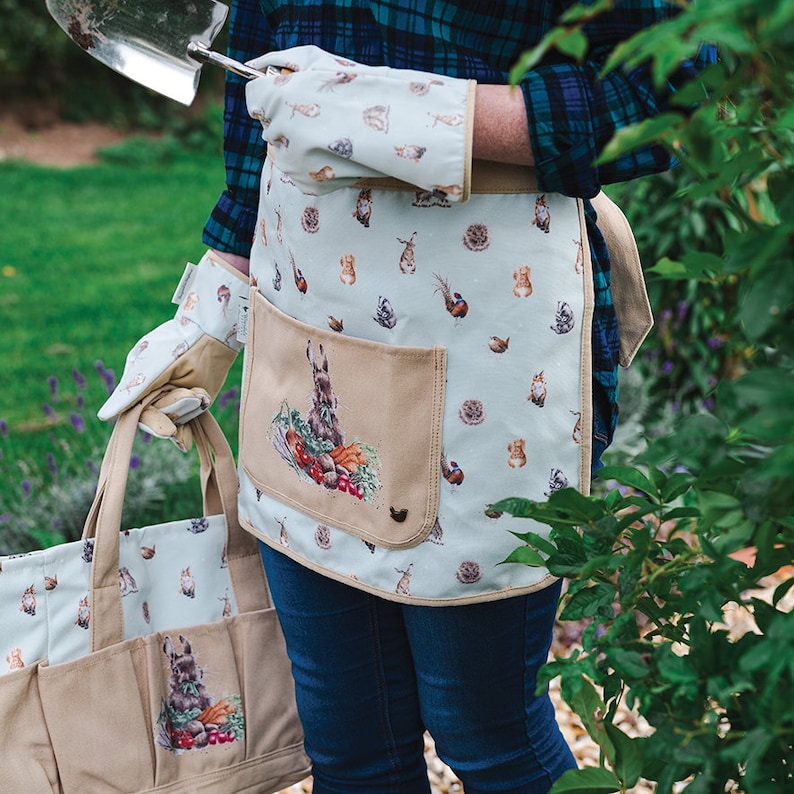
{"x":476,"y":672}
{"x":354,"y":680}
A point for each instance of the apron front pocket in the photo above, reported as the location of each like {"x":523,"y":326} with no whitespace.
{"x":346,"y":430}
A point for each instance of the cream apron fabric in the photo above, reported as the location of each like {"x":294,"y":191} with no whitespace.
{"x":408,"y":363}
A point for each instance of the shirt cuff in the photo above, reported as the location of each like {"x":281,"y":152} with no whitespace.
{"x":561,"y":131}
{"x":230,"y":227}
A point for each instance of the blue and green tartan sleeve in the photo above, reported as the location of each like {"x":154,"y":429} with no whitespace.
{"x":230,"y":227}
{"x":573,"y":113}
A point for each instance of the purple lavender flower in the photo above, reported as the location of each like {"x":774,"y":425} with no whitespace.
{"x":667,"y":367}
{"x":4,"y":428}
{"x":48,"y":410}
{"x":135,"y":462}
{"x":715,"y":342}
{"x":51,"y":465}
{"x":708,"y":404}
{"x":228,"y":396}
{"x":78,"y":378}
{"x":77,"y":422}
{"x":683,"y":309}
{"x":91,"y":466}
{"x":5,"y":518}
{"x":80,"y":401}
{"x":107,"y":375}
{"x":26,"y":487}
{"x":53,"y":383}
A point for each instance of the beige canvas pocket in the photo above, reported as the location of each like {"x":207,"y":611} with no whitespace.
{"x":344,"y":429}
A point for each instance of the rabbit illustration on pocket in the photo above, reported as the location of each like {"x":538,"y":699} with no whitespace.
{"x":322,"y":415}
{"x":186,"y":691}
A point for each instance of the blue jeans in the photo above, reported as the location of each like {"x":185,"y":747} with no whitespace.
{"x":371,"y":675}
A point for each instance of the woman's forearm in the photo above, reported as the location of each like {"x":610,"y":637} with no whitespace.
{"x":501,"y":131}
{"x":238,"y":262}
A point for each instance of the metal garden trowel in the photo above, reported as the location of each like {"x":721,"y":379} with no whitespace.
{"x":161,"y":44}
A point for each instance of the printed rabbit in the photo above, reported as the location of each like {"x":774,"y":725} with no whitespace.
{"x":186,"y":690}
{"x":322,"y":414}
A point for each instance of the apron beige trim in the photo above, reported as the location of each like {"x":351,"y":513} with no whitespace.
{"x":586,"y":443}
{"x":487,"y":176}
{"x":468,"y":162}
{"x":632,"y":307}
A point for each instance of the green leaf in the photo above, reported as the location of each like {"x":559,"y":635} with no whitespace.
{"x":590,"y":780}
{"x":536,"y":541}
{"x":579,"y":507}
{"x":681,"y":512}
{"x":589,"y":602}
{"x":675,"y":669}
{"x":583,"y":698}
{"x":534,"y":56}
{"x":574,"y":44}
{"x":625,"y":475}
{"x":637,"y":135}
{"x":515,"y":506}
{"x":628,"y":755}
{"x":668,"y":268}
{"x":629,"y":664}
{"x":526,"y":556}
{"x":781,"y":590}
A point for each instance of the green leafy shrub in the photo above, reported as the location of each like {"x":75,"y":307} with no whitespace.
{"x":651,"y":556}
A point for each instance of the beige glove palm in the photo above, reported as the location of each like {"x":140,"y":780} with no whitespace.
{"x":189,"y":355}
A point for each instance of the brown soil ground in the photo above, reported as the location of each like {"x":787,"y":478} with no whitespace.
{"x":49,"y":141}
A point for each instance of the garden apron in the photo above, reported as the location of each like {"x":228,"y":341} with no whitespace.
{"x":409,"y":362}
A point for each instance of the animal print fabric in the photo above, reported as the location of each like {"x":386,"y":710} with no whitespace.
{"x":169,"y":575}
{"x":502,"y":282}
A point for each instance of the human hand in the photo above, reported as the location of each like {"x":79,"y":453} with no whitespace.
{"x":189,"y":355}
{"x":330,"y":121}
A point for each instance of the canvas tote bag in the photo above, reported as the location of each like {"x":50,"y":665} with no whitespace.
{"x":150,"y":659}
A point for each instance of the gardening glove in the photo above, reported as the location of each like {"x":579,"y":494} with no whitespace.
{"x":188,"y":356}
{"x":330,"y":121}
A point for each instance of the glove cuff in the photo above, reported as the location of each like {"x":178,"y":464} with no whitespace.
{"x":328,"y":128}
{"x":208,"y":295}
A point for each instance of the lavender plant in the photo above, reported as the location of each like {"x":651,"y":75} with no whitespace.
{"x":47,"y":485}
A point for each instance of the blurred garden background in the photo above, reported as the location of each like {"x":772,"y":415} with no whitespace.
{"x":703,"y":464}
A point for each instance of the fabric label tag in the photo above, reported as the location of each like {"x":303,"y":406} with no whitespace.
{"x":242,"y":319}
{"x":184,"y":283}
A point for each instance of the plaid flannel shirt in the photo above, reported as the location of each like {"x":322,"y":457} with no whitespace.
{"x":571,"y":112}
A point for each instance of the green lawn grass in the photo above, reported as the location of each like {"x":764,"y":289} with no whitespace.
{"x":89,"y":260}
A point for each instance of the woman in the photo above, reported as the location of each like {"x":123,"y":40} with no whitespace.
{"x":431,"y":330}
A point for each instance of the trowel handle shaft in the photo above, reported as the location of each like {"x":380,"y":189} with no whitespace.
{"x":203,"y":54}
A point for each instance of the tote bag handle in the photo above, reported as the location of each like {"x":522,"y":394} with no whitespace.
{"x":103,"y":524}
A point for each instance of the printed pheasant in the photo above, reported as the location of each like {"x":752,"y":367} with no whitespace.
{"x":454,"y":301}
